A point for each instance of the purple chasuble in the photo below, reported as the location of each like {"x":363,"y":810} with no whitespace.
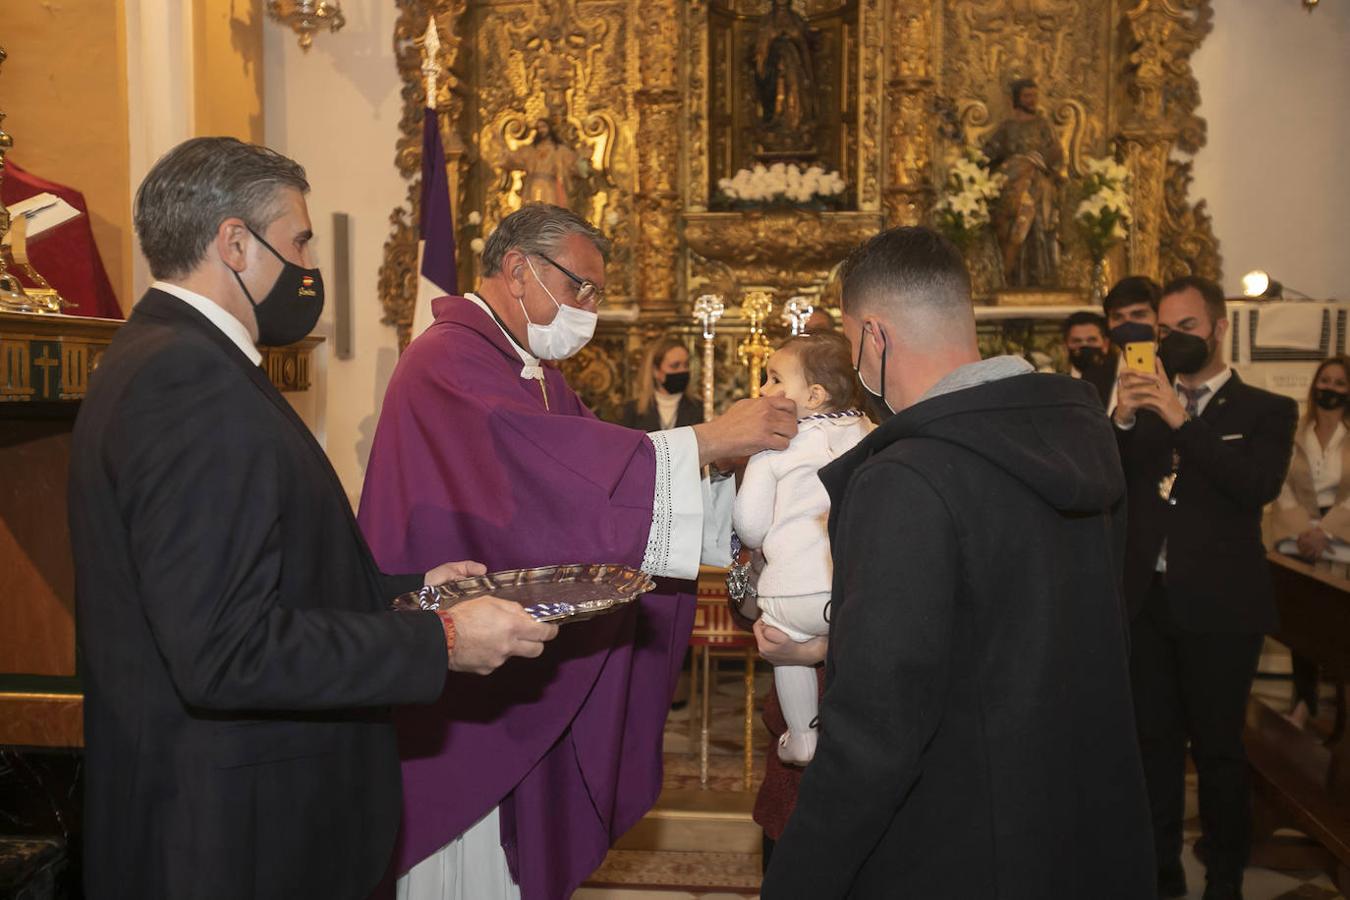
{"x":468,"y":463}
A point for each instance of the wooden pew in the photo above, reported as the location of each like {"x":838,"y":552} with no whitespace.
{"x":1299,"y":781}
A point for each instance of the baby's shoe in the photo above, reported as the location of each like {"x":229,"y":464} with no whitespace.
{"x":797,"y":748}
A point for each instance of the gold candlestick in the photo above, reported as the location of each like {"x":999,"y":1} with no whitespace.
{"x":707,"y":310}
{"x":755,"y":348}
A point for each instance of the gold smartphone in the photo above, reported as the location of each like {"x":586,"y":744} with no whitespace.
{"x":1139,"y":356}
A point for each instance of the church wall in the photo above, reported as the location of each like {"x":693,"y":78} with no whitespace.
{"x":64,"y":89}
{"x":1272,"y":81}
{"x":1275,"y":90}
{"x":335,"y":109}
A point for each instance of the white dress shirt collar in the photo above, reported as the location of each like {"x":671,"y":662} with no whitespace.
{"x":231,"y":327}
{"x":531,"y":367}
{"x":1214,"y":384}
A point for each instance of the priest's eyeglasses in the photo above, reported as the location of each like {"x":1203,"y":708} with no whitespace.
{"x":588,"y":292}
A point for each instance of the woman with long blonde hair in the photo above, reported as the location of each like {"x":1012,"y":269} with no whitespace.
{"x":664,"y":397}
{"x":1312,"y":514}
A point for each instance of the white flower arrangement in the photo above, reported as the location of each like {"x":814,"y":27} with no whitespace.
{"x":779,"y":182}
{"x":1104,"y":214}
{"x":962,"y":211}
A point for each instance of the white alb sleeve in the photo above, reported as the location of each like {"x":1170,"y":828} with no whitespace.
{"x":690,"y":517}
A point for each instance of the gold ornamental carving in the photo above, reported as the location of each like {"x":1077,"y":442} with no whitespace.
{"x":658,"y":100}
{"x":779,"y":249}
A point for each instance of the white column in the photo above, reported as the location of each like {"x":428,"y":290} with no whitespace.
{"x":159,"y":91}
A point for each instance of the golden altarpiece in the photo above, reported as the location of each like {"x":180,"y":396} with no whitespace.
{"x":633,"y":111}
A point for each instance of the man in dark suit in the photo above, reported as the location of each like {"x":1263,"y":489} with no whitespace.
{"x":1203,"y":455}
{"x":235,"y":637}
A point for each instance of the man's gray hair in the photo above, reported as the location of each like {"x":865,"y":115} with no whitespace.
{"x":537,"y":229}
{"x":201,"y":183}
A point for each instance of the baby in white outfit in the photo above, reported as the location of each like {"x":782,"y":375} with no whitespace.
{"x":782,"y":509}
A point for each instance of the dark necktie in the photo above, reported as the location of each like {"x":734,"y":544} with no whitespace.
{"x":1193,"y":397}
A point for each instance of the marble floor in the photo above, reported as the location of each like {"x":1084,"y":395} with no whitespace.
{"x":638,"y":873}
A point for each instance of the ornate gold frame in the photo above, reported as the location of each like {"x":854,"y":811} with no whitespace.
{"x":1115,"y":77}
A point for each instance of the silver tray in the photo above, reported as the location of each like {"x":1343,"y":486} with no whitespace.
{"x":550,"y":594}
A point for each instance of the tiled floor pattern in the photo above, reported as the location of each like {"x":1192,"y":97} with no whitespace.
{"x":654,"y":875}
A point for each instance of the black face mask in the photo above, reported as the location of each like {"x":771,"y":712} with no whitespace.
{"x":1328,"y":399}
{"x":880,"y":410}
{"x":1085,"y":359}
{"x":292,"y":307}
{"x":1184,"y":354}
{"x":1131,"y":333}
{"x":675,"y":382}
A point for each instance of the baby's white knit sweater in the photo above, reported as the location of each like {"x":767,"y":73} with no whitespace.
{"x":782,"y":508}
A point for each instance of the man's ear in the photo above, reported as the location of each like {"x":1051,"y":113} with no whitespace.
{"x":514,"y":267}
{"x":232,"y":243}
{"x":1221,"y":329}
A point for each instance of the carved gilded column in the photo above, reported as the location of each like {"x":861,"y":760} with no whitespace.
{"x":658,"y":194}
{"x":1162,"y":35}
{"x":910,"y":90}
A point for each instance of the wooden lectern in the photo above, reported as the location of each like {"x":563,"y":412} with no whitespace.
{"x":45,"y":365}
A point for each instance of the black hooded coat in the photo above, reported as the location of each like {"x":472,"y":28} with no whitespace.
{"x":977,"y":734}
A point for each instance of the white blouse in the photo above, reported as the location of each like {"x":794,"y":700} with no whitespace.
{"x":1325,"y":463}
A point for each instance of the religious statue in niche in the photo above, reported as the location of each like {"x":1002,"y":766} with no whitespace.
{"x":548,"y":164}
{"x":785,"y":83}
{"x":1027,"y":151}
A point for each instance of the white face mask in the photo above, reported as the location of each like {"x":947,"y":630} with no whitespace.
{"x":570,"y":330}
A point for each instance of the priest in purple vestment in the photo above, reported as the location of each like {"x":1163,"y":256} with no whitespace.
{"x":516,"y":785}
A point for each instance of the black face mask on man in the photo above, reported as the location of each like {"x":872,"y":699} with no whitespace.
{"x":292,"y":307}
{"x":675,"y":382}
{"x":1086,"y":358}
{"x":1185,"y":354}
{"x":1329,"y":398}
{"x":881,"y":410}
{"x":1131,"y":333}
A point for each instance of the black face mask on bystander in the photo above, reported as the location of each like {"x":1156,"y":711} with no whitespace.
{"x":1185,"y":354}
{"x":292,"y":307}
{"x":1329,"y":399}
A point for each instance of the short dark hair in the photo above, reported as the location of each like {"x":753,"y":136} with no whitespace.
{"x":1215,"y":305}
{"x":1019,"y":86}
{"x":537,"y":229}
{"x":201,"y":183}
{"x":827,"y":360}
{"x":915,"y":265}
{"x":1131,"y":291}
{"x":1083,"y":318}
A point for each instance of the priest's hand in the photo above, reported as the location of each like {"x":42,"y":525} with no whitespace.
{"x":780,"y":650}
{"x":454,"y":571}
{"x":749,"y":426}
{"x":487,"y":631}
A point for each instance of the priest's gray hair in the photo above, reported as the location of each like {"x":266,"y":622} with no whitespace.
{"x":912,"y":277}
{"x":201,"y":183}
{"x":537,"y":229}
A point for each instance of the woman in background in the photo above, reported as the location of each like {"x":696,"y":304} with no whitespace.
{"x":663,"y":398}
{"x":1312,"y":514}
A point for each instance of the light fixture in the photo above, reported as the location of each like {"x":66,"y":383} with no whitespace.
{"x":1310,"y":5}
{"x":307,"y":16}
{"x":1259,"y":285}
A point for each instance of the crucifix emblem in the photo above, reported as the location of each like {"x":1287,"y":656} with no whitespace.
{"x":45,"y":362}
